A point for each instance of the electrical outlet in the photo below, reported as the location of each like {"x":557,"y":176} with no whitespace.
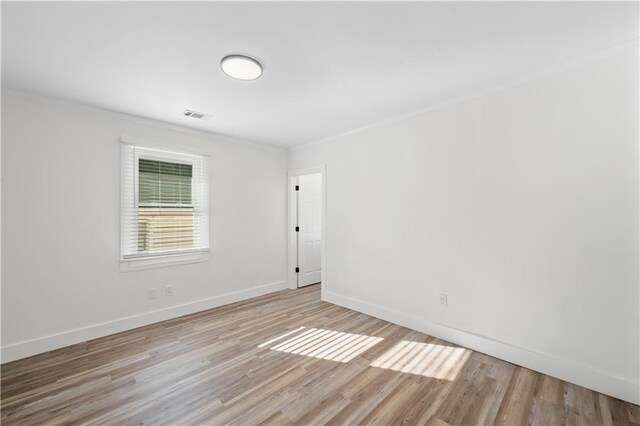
{"x":153,"y":293}
{"x":443,"y":300}
{"x":168,"y":290}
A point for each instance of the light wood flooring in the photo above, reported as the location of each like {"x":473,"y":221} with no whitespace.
{"x":289,"y":358}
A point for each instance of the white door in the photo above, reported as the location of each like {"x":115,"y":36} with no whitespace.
{"x":309,"y":229}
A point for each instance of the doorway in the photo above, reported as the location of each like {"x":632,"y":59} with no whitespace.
{"x":309,"y":228}
{"x":307,"y":222}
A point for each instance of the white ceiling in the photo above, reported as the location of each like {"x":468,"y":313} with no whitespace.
{"x":329,"y":67}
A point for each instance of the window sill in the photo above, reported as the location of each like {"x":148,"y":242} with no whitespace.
{"x":162,"y":260}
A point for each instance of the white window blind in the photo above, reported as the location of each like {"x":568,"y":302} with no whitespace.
{"x":164,"y":203}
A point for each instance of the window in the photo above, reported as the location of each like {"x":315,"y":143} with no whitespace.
{"x":164,"y":206}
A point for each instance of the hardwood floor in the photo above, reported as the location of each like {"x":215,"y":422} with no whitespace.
{"x":288,"y":358}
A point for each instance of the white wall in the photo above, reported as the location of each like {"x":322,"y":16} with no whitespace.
{"x":522,"y":206}
{"x":60,"y":227}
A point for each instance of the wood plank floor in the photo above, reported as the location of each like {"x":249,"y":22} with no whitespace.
{"x":289,"y":358}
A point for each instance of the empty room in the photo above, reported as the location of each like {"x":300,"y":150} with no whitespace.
{"x":309,"y":213}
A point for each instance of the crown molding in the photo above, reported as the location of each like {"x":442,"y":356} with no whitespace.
{"x":220,"y":137}
{"x":585,"y":60}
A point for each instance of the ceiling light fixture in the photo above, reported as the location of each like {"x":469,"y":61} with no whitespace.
{"x":241,"y":67}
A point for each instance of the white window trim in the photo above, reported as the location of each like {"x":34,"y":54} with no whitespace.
{"x":165,"y":258}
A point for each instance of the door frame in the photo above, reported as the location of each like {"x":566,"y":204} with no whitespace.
{"x":292,"y":279}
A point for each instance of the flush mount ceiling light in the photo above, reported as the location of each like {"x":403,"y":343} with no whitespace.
{"x":241,"y":67}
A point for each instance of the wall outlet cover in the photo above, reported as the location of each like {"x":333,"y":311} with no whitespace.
{"x":443,"y":299}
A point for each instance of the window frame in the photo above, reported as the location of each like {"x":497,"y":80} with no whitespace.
{"x":129,"y":262}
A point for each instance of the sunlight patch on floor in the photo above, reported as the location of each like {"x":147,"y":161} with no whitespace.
{"x":280,"y":337}
{"x":325,"y":344}
{"x":424,"y":359}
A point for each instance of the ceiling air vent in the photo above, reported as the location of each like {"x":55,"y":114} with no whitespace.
{"x":193,"y":114}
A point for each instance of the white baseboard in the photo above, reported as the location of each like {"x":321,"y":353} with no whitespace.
{"x":39,"y":345}
{"x":570,"y":371}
